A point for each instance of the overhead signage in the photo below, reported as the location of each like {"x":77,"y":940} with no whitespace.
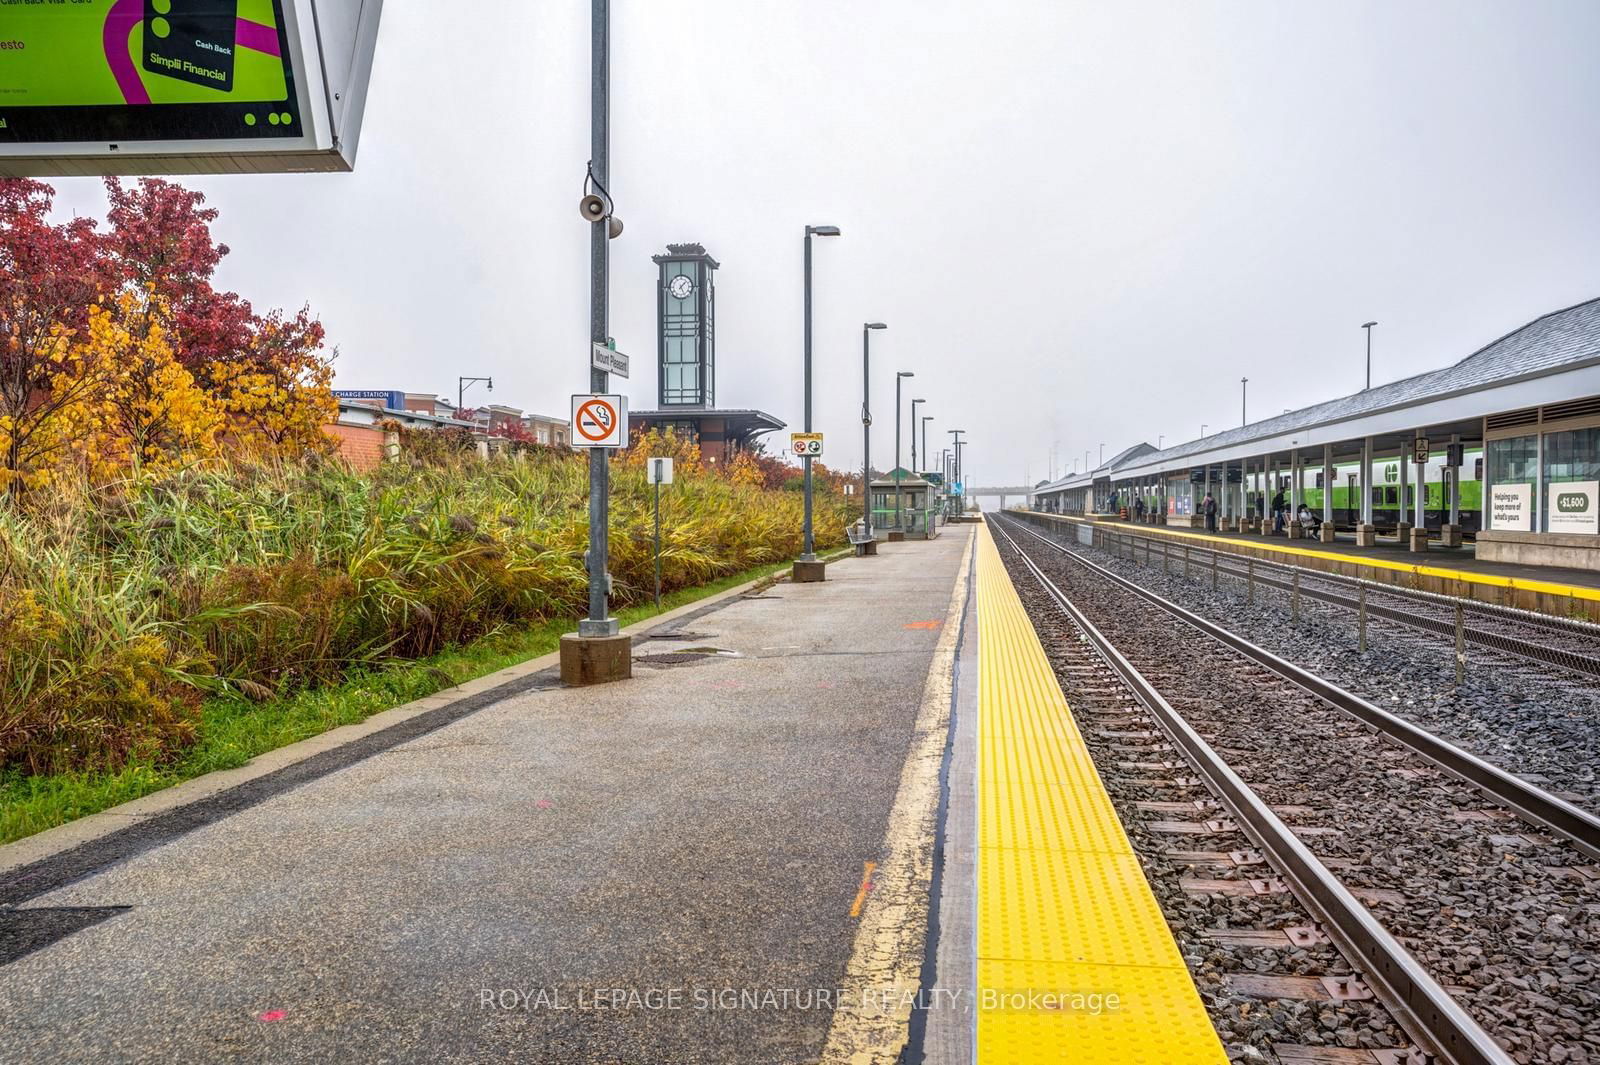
{"x":391,"y":399}
{"x":1575,"y":507}
{"x":1420,"y":450}
{"x":169,"y":86}
{"x":658,"y":471}
{"x":599,"y":421}
{"x":806,"y":445}
{"x":608,"y":359}
{"x":1511,"y":507}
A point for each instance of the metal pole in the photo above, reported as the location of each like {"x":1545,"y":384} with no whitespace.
{"x":1244,"y":393}
{"x":898,"y":514}
{"x":1461,"y":643}
{"x":598,"y":624}
{"x":1361,"y":621}
{"x":808,"y":547}
{"x":914,"y":434}
{"x":1294,"y":600}
{"x":1250,"y":581}
{"x":866,"y":429}
{"x":926,"y":457}
{"x":658,"y":534}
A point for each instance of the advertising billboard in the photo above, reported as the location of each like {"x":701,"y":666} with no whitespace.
{"x":1575,"y":507}
{"x":182,"y":86}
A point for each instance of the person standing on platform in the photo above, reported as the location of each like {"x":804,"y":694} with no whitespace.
{"x":1280,"y":507}
{"x":1211,"y":512}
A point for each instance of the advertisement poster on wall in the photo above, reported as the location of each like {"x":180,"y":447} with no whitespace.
{"x":1511,"y":507}
{"x":1575,"y":507}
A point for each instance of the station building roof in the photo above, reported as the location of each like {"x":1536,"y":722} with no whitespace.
{"x":1552,"y":358}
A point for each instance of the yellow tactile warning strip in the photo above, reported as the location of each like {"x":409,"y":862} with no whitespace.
{"x":1075,"y":961}
{"x":1576,"y":591}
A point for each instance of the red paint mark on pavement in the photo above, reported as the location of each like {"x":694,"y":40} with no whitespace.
{"x":271,"y":1015}
{"x":923,"y":624}
{"x":544,"y":804}
{"x":825,"y":684}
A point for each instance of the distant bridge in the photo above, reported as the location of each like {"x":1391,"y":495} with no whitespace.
{"x":1001,"y":492}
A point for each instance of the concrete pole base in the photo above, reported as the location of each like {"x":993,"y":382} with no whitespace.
{"x":1402,"y":533}
{"x":868,"y":548}
{"x":595,"y":659}
{"x":1366,"y":536}
{"x":1450,"y":536}
{"x":897,"y":537}
{"x":810,"y":572}
{"x":1327,"y":534}
{"x":1419,"y":539}
{"x":1296,"y":531}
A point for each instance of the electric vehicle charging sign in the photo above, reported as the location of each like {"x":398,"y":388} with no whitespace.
{"x":599,"y":421}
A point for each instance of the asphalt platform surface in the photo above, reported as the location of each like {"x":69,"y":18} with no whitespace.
{"x":648,"y":872}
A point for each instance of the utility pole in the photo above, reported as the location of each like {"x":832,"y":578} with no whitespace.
{"x":927,"y":457}
{"x":899,"y":506}
{"x":1244,"y":386}
{"x":598,"y":652}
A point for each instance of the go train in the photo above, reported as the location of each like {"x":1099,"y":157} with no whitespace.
{"x":1387,"y":501}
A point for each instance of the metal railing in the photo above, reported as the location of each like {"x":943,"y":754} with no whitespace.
{"x":1468,"y":625}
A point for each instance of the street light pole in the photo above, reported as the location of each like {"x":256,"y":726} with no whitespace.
{"x":899,"y":512}
{"x":914,"y":434}
{"x":808,"y":545}
{"x":866,"y":422}
{"x":926,"y":457}
{"x":464,"y":383}
{"x":1244,"y":387}
{"x":1368,"y":327}
{"x":955,"y":468}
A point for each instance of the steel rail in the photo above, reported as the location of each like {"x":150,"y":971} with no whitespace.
{"x":1533,"y":804}
{"x":1422,"y":1007}
{"x":1580,"y":661}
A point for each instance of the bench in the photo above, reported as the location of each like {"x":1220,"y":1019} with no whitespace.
{"x":861,"y":540}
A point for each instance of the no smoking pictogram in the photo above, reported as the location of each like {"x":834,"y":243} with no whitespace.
{"x":599,"y":421}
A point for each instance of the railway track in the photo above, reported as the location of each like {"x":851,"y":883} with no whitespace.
{"x":1482,"y":942}
{"x":1569,"y":644}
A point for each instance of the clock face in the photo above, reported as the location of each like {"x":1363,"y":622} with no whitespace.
{"x":680,"y":287}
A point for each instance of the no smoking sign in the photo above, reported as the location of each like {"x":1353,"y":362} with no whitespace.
{"x":599,"y":421}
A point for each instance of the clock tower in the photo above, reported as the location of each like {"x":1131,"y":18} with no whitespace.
{"x":686,"y":313}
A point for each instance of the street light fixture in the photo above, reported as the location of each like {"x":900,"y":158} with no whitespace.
{"x":808,"y":546}
{"x":899,"y":509}
{"x":866,"y":422}
{"x":1368,"y":327}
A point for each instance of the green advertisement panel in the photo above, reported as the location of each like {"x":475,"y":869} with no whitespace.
{"x":129,"y":70}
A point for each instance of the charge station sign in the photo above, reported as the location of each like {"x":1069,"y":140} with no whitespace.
{"x":599,"y":421}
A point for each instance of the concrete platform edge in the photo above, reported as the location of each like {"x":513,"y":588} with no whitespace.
{"x":890,"y":943}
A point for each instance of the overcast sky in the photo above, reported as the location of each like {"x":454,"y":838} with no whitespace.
{"x":1083,"y":222}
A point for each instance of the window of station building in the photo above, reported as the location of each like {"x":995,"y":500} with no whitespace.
{"x":1572,"y":457}
{"x":1512,"y":461}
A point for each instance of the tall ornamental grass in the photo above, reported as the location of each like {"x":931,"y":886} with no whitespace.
{"x":122,"y":605}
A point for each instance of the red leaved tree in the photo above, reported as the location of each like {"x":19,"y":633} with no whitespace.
{"x":49,"y":278}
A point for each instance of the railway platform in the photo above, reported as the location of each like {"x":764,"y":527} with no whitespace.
{"x":1447,"y":571}
{"x":823,"y":821}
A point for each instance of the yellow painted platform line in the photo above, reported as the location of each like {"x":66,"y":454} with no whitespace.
{"x":1075,"y":961}
{"x":1575,"y":591}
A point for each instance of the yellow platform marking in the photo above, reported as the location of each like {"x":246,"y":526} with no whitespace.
{"x":1576,"y":591}
{"x":1075,"y":961}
